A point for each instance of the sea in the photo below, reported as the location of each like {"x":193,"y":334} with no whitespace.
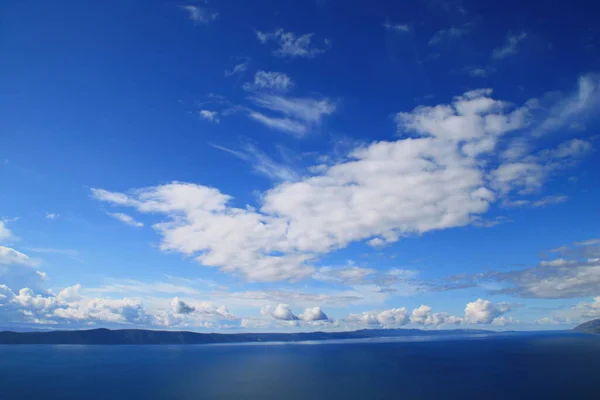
{"x":554,"y":365}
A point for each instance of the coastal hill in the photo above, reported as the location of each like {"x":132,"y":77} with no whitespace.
{"x":592,"y":326}
{"x":141,"y":336}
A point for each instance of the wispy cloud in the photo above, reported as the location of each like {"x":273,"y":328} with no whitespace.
{"x":479,"y":71}
{"x":450,"y":33}
{"x":574,"y":106}
{"x":550,"y":200}
{"x":297,"y":115}
{"x":511,"y":46}
{"x":49,"y":250}
{"x":262,"y":163}
{"x":281,"y":124}
{"x":238,"y":69}
{"x":52,"y":215}
{"x":200,"y":15}
{"x":212,"y":116}
{"x":489,"y":223}
{"x":293,"y":46}
{"x":126,"y":219}
{"x":396,"y":27}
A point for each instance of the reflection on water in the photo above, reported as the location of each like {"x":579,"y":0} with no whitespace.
{"x":480,"y":366}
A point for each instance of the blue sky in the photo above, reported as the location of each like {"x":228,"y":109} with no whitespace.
{"x":230,"y":165}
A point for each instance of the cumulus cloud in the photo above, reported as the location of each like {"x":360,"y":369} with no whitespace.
{"x":292,"y":46}
{"x":435,"y":176}
{"x":274,"y":81}
{"x":511,"y":47}
{"x":180,"y":307}
{"x":313,"y":314}
{"x":422,"y":315}
{"x":52,"y":215}
{"x":392,"y":318}
{"x":281,"y":312}
{"x":70,"y":307}
{"x":484,"y":312}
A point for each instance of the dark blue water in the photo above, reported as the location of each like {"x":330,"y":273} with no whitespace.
{"x":541,"y":366}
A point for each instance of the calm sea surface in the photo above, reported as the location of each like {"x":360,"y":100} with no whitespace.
{"x":524,"y":366}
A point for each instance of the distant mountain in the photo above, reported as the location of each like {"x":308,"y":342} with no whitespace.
{"x":141,"y":336}
{"x":592,"y":326}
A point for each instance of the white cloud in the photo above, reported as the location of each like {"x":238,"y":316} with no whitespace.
{"x":178,"y":306}
{"x":396,"y":27}
{"x":557,"y":279}
{"x":126,"y":219}
{"x":5,"y":233}
{"x":12,"y":256}
{"x":238,"y":69}
{"x":568,"y":149}
{"x":281,"y":312}
{"x":52,"y":215}
{"x":212,"y":116}
{"x":200,"y":15}
{"x":346,"y":275}
{"x":376,"y":242}
{"x":573,"y":107}
{"x":72,"y":308}
{"x":511,"y":46}
{"x":484,"y":312}
{"x":292,"y":46}
{"x":489,"y":223}
{"x":286,"y":125}
{"x":435,"y":179}
{"x":479,"y":71}
{"x":274,"y":81}
{"x":575,"y":274}
{"x":590,"y":242}
{"x":296,"y":115}
{"x":559,"y":262}
{"x":450,"y":33}
{"x":307,"y":110}
{"x":550,"y":200}
{"x":313,"y":314}
{"x":419,"y":315}
{"x":392,"y":318}
{"x":526,"y":173}
{"x":422,"y":315}
{"x":503,"y":321}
